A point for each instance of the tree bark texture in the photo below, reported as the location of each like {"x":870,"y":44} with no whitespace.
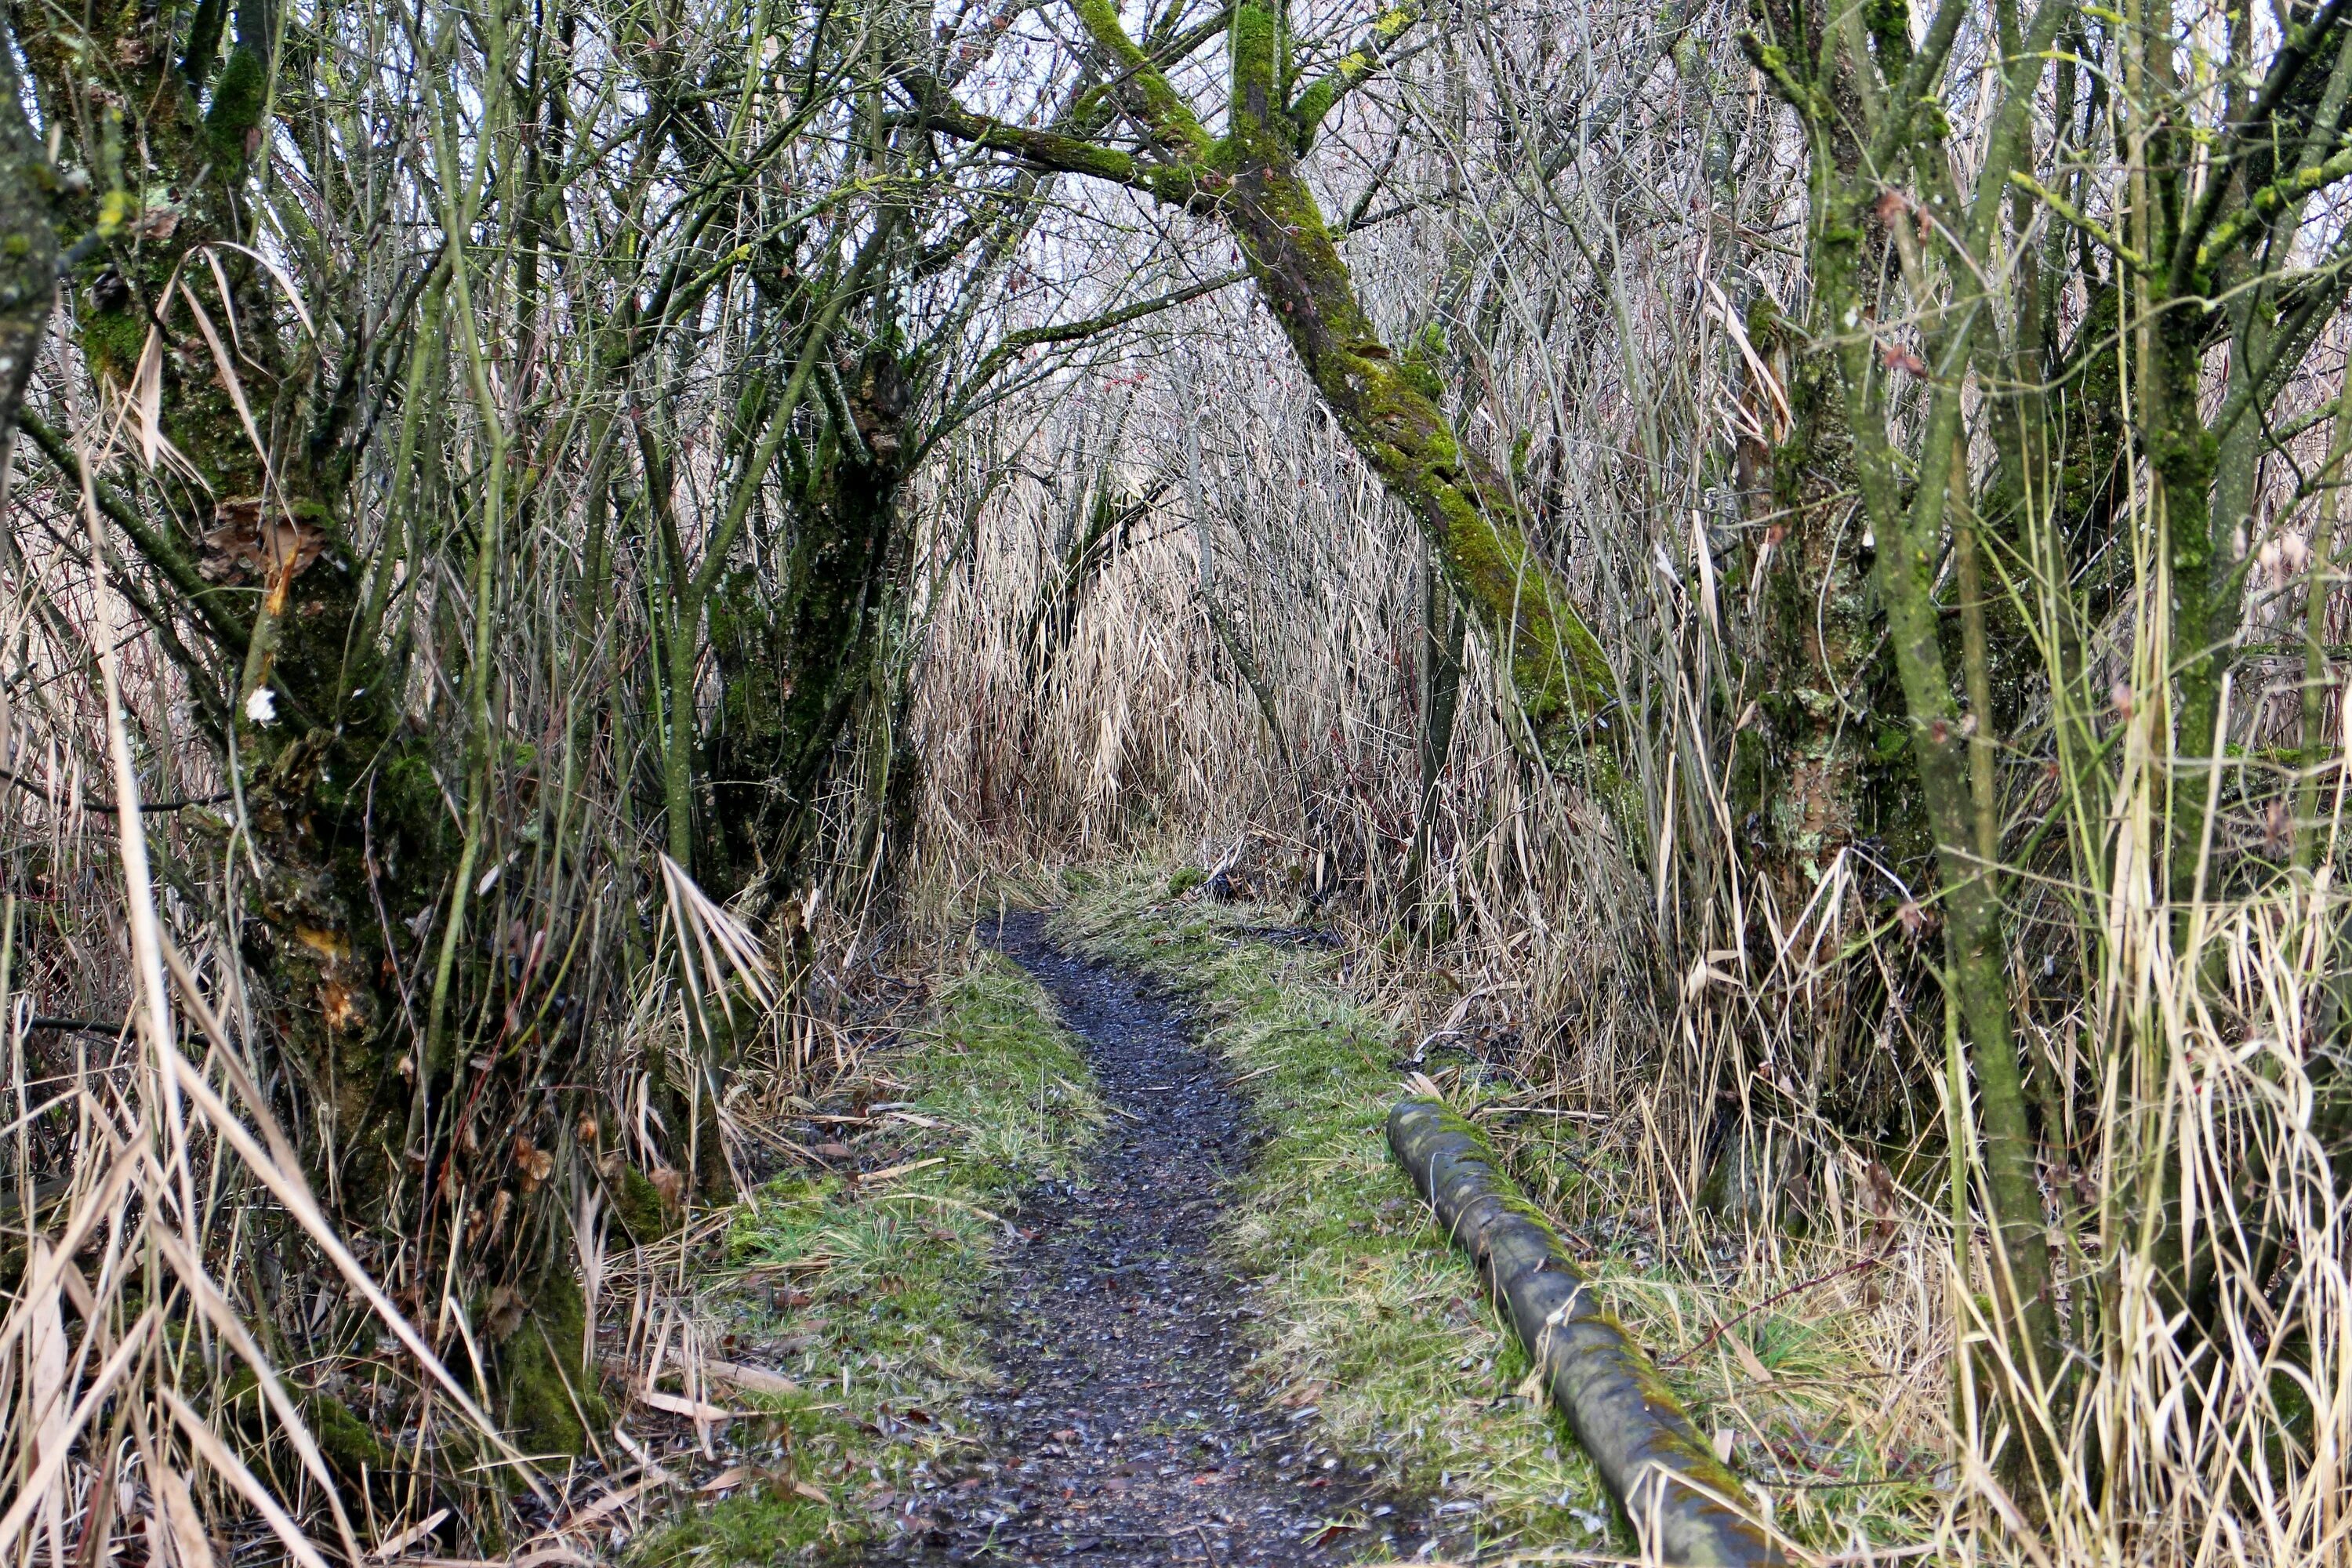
{"x":796,"y":665}
{"x":29,"y":243}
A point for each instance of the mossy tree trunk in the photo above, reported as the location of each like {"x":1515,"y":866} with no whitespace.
{"x":1251,"y":180}
{"x":29,"y":243}
{"x":804,"y":658}
{"x":2220,"y":251}
{"x":2203,"y":248}
{"x":796,"y":661}
{"x":2219,"y":271}
{"x":258,"y":545}
{"x":1819,"y":763}
{"x":1804,"y":756}
{"x":1443,"y":629}
{"x":1109,"y":516}
{"x":1855,"y":84}
{"x":250,"y":524}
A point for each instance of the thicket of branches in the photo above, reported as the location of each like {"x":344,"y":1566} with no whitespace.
{"x":1795,"y":551}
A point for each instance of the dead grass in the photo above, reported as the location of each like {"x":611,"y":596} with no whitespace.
{"x":1825,"y":1399}
{"x":863,"y":1292}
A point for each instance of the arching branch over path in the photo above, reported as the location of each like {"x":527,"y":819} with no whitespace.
{"x":1249,"y":178}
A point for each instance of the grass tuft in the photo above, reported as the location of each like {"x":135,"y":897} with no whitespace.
{"x":868,"y":1296}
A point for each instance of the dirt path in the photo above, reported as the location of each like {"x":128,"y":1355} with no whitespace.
{"x":1119,"y":1433}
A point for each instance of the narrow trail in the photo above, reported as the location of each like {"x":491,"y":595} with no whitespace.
{"x":1120,"y":1432}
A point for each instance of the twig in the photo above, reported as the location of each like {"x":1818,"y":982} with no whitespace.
{"x":1722,"y":1329}
{"x":74,"y":1027}
{"x":1926,"y":1478}
{"x":9,"y":776}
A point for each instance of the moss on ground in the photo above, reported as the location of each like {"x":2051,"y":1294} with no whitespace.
{"x":865,"y":1294}
{"x":551,"y":1411}
{"x":1367,"y":1311}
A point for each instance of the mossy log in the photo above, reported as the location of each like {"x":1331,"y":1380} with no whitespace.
{"x":1653,"y":1460}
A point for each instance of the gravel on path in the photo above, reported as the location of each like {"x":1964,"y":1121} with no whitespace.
{"x":1121,"y":1432}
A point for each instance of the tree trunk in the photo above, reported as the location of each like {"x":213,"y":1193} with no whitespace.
{"x":1466,"y":509}
{"x":28,"y":257}
{"x":340,"y":806}
{"x":1442,"y":626}
{"x":794,"y":669}
{"x":331,"y":780}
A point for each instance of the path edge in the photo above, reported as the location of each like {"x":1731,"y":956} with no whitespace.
{"x":1677,"y":1494}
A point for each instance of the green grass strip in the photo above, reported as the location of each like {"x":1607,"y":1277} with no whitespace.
{"x":1367,"y":1309}
{"x":888,"y":1339}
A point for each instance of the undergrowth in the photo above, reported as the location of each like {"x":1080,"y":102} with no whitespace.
{"x":862,"y":1291}
{"x":1781,"y":1347}
{"x":1374,"y":1303}
{"x":1373,"y":1316}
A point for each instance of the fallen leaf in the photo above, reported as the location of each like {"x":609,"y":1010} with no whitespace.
{"x":1746,"y":1358}
{"x":532,"y":1165}
{"x":750,"y":1379}
{"x":896,"y":1171}
{"x":508,"y":1308}
{"x":614,"y":1499}
{"x":410,"y":1537}
{"x":693,"y":1409}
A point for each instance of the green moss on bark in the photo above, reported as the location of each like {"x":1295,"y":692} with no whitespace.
{"x":547,"y":1399}
{"x":641,"y":1210}
{"x":232,"y":120}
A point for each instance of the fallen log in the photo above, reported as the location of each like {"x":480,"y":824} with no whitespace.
{"x":1680,"y":1497}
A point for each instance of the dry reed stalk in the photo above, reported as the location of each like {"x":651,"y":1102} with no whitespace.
{"x":1640,"y":944}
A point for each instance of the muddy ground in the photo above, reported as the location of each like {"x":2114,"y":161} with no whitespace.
{"x":1121,"y":1432}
